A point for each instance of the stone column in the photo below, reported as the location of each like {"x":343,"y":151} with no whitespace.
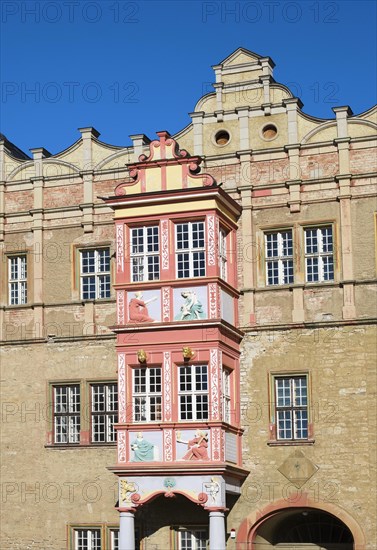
{"x":139,"y":142}
{"x":197,"y":121}
{"x":126,"y":530}
{"x":344,"y":181}
{"x":216,"y":531}
{"x":243,"y":118}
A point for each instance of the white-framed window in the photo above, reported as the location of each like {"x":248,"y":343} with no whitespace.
{"x":319,"y":254}
{"x":194,"y":538}
{"x":291,"y":407}
{"x":17,"y":280}
{"x":104,"y":412}
{"x":95,"y":273}
{"x":67,"y":414}
{"x":222,"y":254}
{"x":190,"y":249}
{"x":226,"y":395}
{"x":193,"y":392}
{"x":145,"y":253}
{"x":87,"y":539}
{"x":279,"y":257}
{"x":147,"y":394}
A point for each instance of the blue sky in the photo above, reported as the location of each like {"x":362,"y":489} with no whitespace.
{"x":128,"y":67}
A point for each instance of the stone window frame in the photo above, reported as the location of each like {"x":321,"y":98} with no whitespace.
{"x":73,"y":398}
{"x":76,"y":271}
{"x":107,"y":413}
{"x":273,"y":438}
{"x":178,"y":529}
{"x":85,"y":412}
{"x":105,"y":530}
{"x":299,"y":258}
{"x":321,"y":253}
{"x":281,"y":257}
{"x":6,"y":256}
{"x":145,"y":254}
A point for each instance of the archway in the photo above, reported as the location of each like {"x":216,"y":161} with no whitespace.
{"x":302,"y":525}
{"x":304,"y":529}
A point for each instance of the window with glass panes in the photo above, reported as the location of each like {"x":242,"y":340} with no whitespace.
{"x":193,"y":392}
{"x":114,"y":539}
{"x":192,"y":539}
{"x":17,"y":280}
{"x":291,"y":407}
{"x":145,"y":253}
{"x":279,"y":257}
{"x":104,"y":412}
{"x":222,"y":254}
{"x":319,"y":254}
{"x":147,"y":394}
{"x":87,"y":539}
{"x":67,"y":414}
{"x":95,"y":274}
{"x":226,"y":395}
{"x":190,"y":250}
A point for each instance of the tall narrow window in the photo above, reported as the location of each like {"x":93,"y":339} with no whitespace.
{"x":147,"y":396}
{"x":192,"y":539}
{"x":226,"y":395}
{"x":95,"y":273}
{"x":114,"y":539}
{"x":190,"y":250}
{"x":87,"y":539}
{"x":17,"y":283}
{"x":193,"y":392}
{"x":104,"y":405}
{"x":67,"y":414}
{"x":319,"y":254}
{"x":279,"y":258}
{"x":145,"y":253}
{"x":291,"y":407}
{"x":222,"y":254}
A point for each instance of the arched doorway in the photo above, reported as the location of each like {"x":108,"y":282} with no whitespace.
{"x":303,"y":529}
{"x":302,"y":525}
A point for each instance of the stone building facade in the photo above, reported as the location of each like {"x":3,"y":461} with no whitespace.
{"x":296,"y":264}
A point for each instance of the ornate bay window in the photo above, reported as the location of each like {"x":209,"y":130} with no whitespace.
{"x":147,"y":394}
{"x":145,"y":253}
{"x":193,"y":392}
{"x":222,"y":254}
{"x":190,"y":249}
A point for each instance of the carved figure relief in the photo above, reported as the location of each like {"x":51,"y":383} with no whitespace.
{"x":197,"y":447}
{"x":143,"y":450}
{"x":138,"y":311}
{"x":127,"y":488}
{"x":213,"y":488}
{"x":191,"y":309}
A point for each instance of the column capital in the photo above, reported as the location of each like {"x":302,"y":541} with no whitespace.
{"x":88,"y":132}
{"x":291,"y":103}
{"x":342,"y":111}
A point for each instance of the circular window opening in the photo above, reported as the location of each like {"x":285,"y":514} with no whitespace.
{"x":222,"y":137}
{"x":270,"y":131}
